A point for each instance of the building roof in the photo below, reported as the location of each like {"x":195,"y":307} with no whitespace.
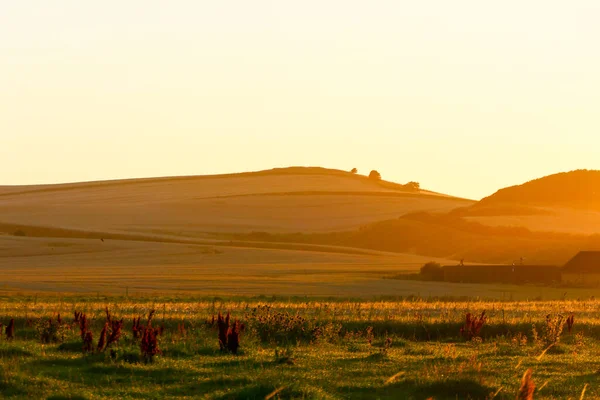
{"x":584,"y":262}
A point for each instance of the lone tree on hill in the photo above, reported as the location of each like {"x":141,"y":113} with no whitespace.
{"x":375,"y":175}
{"x":354,"y":171}
{"x":413,"y":186}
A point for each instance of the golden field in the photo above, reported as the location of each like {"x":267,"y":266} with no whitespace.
{"x":288,"y":200}
{"x":113,"y":266}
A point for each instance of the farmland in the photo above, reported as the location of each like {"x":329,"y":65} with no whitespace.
{"x":314,"y":263}
{"x":116,"y":267}
{"x":300,"y":209}
{"x":410,"y":349}
{"x":285,"y":200}
{"x":119,"y":267}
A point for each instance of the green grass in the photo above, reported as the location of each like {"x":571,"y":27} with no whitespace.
{"x":427,"y":357}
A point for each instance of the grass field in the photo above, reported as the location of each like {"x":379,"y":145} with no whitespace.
{"x":117,"y":267}
{"x":113,"y":266}
{"x":408,"y":349}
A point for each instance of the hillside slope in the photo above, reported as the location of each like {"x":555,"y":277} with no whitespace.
{"x":458,"y":238}
{"x":450,"y":237}
{"x":280,"y":200}
{"x":547,"y":220}
{"x":576,"y":189}
{"x":567,"y":202}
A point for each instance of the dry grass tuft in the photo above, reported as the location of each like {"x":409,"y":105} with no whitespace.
{"x":275,"y":393}
{"x":50,"y":332}
{"x":496,"y":394}
{"x":583,"y":391}
{"x":394,"y":378}
{"x":539,"y":358}
{"x":527,"y":386}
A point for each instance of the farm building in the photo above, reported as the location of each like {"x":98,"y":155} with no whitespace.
{"x":583,"y":269}
{"x":515,"y":274}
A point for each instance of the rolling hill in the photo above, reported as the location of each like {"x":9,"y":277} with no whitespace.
{"x":451,"y":237}
{"x":578,"y":189}
{"x":280,"y":200}
{"x":567,"y":202}
{"x":168,"y":234}
{"x":352,"y":230}
{"x":545,"y":221}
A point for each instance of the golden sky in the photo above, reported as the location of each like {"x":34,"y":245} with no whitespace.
{"x":463,"y":96}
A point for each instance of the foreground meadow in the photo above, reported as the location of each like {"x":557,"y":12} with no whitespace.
{"x":409,"y":349}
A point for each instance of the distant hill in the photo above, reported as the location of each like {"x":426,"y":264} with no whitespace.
{"x":365,"y":182}
{"x":576,"y":189}
{"x":546,"y":221}
{"x":446,"y":235}
{"x":567,"y":202}
{"x":297,"y":199}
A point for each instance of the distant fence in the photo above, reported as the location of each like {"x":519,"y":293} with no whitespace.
{"x":515,"y":274}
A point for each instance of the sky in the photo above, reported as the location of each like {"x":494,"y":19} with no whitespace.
{"x":465,"y":97}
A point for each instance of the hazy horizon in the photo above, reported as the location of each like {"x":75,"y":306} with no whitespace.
{"x":463,"y":97}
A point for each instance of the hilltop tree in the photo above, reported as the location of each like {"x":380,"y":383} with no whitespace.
{"x":354,"y":171}
{"x":413,"y":186}
{"x":375,"y":175}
